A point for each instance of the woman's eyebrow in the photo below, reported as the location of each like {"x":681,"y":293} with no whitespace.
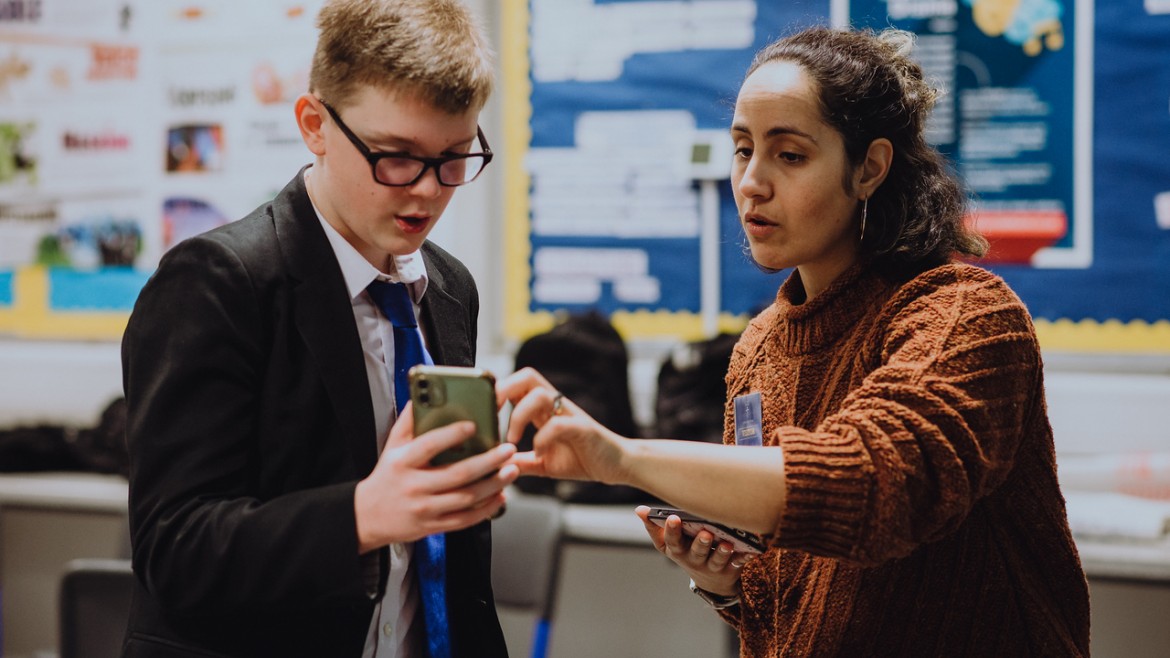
{"x":776,"y":131}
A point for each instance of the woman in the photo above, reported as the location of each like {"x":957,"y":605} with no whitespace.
{"x":906,"y":486}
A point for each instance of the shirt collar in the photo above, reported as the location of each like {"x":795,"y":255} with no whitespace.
{"x":410,"y":269}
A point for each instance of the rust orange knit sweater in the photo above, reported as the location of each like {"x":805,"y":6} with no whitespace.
{"x":923,"y":516}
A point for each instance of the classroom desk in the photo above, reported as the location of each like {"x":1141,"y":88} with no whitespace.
{"x":1129,"y":583}
{"x":614,"y":592}
{"x":46,"y":520}
{"x":65,"y":491}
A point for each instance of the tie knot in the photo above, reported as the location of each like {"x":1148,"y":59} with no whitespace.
{"x":394,"y":301}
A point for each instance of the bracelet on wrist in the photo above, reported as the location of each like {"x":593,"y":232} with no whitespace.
{"x":717,"y":601}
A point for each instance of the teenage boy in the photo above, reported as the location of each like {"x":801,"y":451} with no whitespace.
{"x":276,"y":506}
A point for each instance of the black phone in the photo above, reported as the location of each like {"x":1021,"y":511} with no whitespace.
{"x":741,"y":540}
{"x":442,"y":395}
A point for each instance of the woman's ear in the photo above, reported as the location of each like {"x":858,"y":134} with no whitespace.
{"x":875,"y":167}
{"x":310,"y":121}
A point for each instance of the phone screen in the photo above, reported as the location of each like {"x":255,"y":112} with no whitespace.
{"x":442,"y":395}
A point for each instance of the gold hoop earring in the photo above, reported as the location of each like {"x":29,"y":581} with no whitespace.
{"x":864,"y":213}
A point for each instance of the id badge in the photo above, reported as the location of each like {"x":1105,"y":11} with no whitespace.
{"x":749,"y":429}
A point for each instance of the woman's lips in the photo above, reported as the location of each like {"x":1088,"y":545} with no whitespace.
{"x":412,"y":223}
{"x":757,"y":225}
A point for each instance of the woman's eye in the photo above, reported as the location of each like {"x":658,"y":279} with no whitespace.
{"x":791,"y":157}
{"x":743,"y":152}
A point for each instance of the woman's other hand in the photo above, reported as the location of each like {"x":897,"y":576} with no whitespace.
{"x":713,"y":565}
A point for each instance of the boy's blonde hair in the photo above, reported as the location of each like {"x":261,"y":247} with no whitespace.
{"x":433,"y":48}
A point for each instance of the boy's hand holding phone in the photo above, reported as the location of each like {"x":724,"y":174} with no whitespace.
{"x":416,"y":490}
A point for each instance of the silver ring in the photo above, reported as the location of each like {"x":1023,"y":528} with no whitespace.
{"x":558,"y":403}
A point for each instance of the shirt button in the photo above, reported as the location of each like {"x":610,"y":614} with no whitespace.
{"x":387,"y":630}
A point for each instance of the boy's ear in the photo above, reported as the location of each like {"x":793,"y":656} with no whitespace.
{"x":310,"y":122}
{"x":875,"y":167}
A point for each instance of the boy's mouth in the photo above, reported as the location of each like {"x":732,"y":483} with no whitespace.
{"x":412,"y":223}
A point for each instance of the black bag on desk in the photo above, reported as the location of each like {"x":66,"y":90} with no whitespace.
{"x":36,"y":448}
{"x":39,"y":448}
{"x":585,"y":358}
{"x":692,"y":390}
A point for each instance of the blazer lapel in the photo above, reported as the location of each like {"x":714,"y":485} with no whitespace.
{"x":443,"y":320}
{"x":324,"y":317}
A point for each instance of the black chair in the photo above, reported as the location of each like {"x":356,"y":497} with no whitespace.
{"x":94,"y":607}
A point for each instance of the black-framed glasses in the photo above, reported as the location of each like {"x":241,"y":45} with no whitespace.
{"x":403,"y":169}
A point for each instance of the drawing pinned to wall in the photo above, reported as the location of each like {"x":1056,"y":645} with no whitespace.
{"x":18,"y":166}
{"x":1034,"y":25}
{"x":276,"y":82}
{"x":92,"y":243}
{"x":195,"y":148}
{"x":187,"y":217}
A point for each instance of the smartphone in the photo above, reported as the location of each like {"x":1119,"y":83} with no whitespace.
{"x":442,"y":395}
{"x":741,"y":540}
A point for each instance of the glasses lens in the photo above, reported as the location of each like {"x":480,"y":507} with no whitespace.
{"x":393,"y":170}
{"x":461,"y":170}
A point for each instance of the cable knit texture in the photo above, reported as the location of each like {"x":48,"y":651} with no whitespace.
{"x":924,"y":516}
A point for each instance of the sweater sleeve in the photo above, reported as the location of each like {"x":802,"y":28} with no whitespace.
{"x":925,"y":434}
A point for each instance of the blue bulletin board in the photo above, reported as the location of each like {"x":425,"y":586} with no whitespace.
{"x":603,"y":102}
{"x":1057,"y":116}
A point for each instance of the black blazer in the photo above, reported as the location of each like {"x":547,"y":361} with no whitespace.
{"x":250,"y":423}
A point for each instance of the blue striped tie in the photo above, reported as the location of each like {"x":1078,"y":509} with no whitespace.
{"x":429,"y":552}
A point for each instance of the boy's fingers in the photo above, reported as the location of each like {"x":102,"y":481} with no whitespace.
{"x":403,"y":430}
{"x":472,"y":469}
{"x":422,"y":449}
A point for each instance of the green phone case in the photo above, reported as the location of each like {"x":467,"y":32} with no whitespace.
{"x":442,"y":395}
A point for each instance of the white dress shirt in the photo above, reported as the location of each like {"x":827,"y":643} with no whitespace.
{"x":397,"y":627}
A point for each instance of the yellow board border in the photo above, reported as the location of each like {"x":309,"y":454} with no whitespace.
{"x":30,"y":316}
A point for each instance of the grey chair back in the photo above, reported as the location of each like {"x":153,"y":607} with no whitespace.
{"x":525,"y":559}
{"x":94,"y":607}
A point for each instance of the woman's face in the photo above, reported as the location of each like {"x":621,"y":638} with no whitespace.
{"x":788,"y":177}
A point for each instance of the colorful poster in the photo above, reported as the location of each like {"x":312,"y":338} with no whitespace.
{"x":126,"y":126}
{"x":1058,"y":119}
{"x":73,"y":214}
{"x":1015,"y":116}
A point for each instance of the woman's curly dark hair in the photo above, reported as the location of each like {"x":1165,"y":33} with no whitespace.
{"x":870,"y":88}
